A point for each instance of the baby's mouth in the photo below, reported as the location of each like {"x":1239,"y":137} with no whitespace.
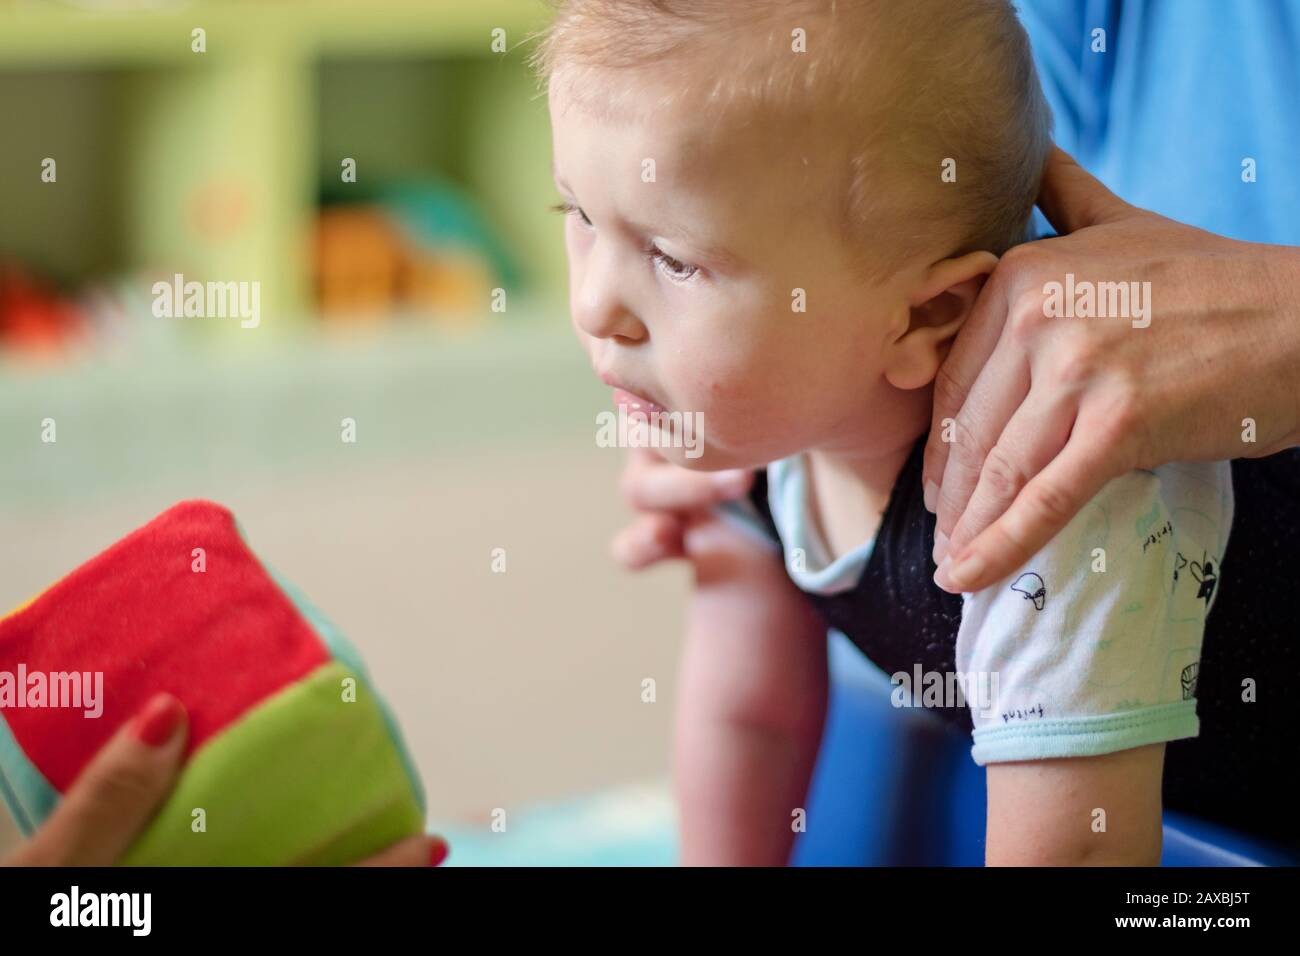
{"x":633,"y":402}
{"x":626,"y":398}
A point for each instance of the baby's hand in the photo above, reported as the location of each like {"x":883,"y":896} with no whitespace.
{"x":668,"y":497}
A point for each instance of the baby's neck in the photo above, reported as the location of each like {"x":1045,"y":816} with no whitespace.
{"x":849,"y":479}
{"x":849,"y":485}
{"x":847,"y":495}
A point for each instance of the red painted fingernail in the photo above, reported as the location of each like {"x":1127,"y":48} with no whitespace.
{"x":156,"y":724}
{"x":438,"y":852}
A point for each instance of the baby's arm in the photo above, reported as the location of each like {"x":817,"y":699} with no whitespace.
{"x":1052,"y":812}
{"x":1095,"y":645}
{"x":752,"y":702}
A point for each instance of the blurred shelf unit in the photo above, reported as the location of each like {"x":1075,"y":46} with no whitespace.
{"x":214,"y":163}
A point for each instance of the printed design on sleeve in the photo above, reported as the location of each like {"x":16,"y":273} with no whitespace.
{"x":1144,"y":527}
{"x":1112,"y":661}
{"x":1031,"y":588}
{"x":1203,"y":571}
{"x":1179,"y":563}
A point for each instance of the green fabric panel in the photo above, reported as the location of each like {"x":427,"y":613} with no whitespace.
{"x":304,"y":778}
{"x":343,"y":651}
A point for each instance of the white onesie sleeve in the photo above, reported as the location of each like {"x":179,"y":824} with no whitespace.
{"x":1093,"y":645}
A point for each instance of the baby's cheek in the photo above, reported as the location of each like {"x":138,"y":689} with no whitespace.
{"x":707,"y":387}
{"x":736,"y":412}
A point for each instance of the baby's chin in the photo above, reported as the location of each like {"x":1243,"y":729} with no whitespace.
{"x":707,"y":457}
{"x":680,"y":439}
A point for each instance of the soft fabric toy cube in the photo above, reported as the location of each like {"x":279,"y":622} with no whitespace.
{"x":292,"y":756}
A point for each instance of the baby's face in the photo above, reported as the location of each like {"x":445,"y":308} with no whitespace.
{"x":688,"y":244}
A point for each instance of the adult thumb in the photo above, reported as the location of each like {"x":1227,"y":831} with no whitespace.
{"x":1072,"y":198}
{"x":117,"y":793}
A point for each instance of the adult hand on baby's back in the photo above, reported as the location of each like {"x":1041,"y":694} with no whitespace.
{"x":120,"y":790}
{"x":667,"y":496}
{"x":1034,"y":413}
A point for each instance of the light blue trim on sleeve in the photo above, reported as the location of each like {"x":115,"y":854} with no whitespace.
{"x":1086,"y":736}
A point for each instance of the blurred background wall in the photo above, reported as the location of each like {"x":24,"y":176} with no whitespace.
{"x":423,"y":298}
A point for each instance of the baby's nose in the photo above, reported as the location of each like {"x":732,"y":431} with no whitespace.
{"x":606,"y":317}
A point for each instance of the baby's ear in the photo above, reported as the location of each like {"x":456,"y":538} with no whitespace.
{"x":937,"y":307}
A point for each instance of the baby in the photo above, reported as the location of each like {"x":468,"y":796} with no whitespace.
{"x":779,"y":215}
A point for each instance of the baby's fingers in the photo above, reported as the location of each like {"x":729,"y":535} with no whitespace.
{"x":652,"y":484}
{"x":649,"y":539}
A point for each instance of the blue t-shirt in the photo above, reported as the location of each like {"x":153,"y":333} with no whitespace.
{"x":1184,"y":94}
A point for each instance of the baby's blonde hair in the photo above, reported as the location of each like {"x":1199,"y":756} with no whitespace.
{"x":958,"y":73}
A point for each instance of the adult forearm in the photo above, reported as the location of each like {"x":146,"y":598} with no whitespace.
{"x":1278,"y":349}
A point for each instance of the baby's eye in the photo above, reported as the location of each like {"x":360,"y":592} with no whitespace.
{"x":567,"y":208}
{"x":673,"y":268}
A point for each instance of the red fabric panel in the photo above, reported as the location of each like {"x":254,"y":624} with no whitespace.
{"x":221,"y":640}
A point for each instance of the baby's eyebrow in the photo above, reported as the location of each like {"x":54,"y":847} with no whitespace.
{"x":556,"y":178}
{"x":711,"y":252}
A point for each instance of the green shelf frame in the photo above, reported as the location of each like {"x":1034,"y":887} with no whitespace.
{"x":241,"y":119}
